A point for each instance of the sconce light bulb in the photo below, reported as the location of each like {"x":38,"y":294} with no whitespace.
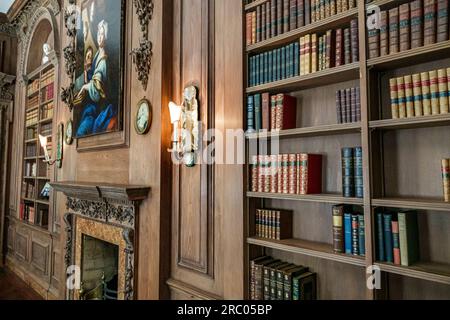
{"x":43,"y":141}
{"x":175,"y":112}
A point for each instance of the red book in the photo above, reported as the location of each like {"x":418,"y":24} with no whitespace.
{"x":310,"y":174}
{"x":396,"y":236}
{"x":429,"y":9}
{"x":339,"y":48}
{"x":286,"y":115}
{"x":258,"y":23}
{"x":273,"y":113}
{"x":249,"y":28}
{"x":416,"y":24}
{"x":266,"y":111}
{"x":405,"y":30}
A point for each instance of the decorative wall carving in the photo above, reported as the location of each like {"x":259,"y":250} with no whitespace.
{"x":129,"y":267}
{"x":8,"y":28}
{"x":6,"y":87}
{"x":70,"y":16}
{"x":142,"y":56}
{"x":68,"y":220}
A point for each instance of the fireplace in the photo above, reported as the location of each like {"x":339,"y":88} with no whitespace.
{"x":101,"y":233}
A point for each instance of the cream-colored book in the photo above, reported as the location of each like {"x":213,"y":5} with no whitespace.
{"x":426,"y":93}
{"x":417,"y":91}
{"x":401,"y":97}
{"x":443,"y":91}
{"x":434,"y":90}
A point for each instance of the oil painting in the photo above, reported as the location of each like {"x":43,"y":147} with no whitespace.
{"x":98,"y":106}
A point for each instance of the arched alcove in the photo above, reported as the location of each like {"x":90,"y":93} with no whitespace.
{"x":42,"y":34}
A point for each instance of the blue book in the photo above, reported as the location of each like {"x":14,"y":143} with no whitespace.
{"x":250,"y":72}
{"x":283,"y":63}
{"x":278,"y":65}
{"x":289,"y":61}
{"x":250,"y":114}
{"x":388,"y":237}
{"x":359,"y":179}
{"x":380,"y":237}
{"x":258,"y":112}
{"x":269,"y":67}
{"x":362,"y":236}
{"x":348,"y":233}
{"x":296,"y":59}
{"x":348,"y":171}
{"x":266,"y":68}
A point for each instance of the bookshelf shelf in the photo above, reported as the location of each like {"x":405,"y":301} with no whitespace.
{"x":46,"y":102}
{"x":430,"y":271}
{"x":43,"y":178}
{"x":254,"y":4}
{"x":320,"y":198}
{"x":30,"y":178}
{"x":410,"y":123}
{"x":48,"y":120}
{"x":431,"y":52}
{"x":317,"y":79}
{"x":419,"y":204}
{"x":384,"y":4}
{"x":309,"y":248}
{"x":29,"y":158}
{"x":43,"y":202}
{"x":28,"y":200}
{"x":334,"y":129}
{"x":319,"y":26}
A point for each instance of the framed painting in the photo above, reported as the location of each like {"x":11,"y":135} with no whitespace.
{"x":99,"y":77}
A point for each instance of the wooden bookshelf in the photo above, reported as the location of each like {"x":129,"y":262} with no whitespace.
{"x":381,"y":183}
{"x":254,"y":4}
{"x":35,"y":172}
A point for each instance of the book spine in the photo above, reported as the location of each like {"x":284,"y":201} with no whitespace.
{"x":405,"y":39}
{"x":409,"y":95}
{"x":313,"y":53}
{"x":393,"y":31}
{"x":261,"y":172}
{"x":380,"y":237}
{"x":285,"y":174}
{"x":254,"y":27}
{"x":339,"y":48}
{"x":443,"y":91}
{"x":263,"y":21}
{"x":344,"y":107}
{"x":434,"y":91}
{"x":307,"y":12}
{"x":250,"y":114}
{"x":348,"y":171}
{"x":300,"y":13}
{"x":358,"y":104}
{"x":280,"y":173}
{"x":308,"y":54}
{"x":258,"y":23}
{"x":396,"y":243}
{"x":348,"y":233}
{"x":359,"y":179}
{"x":387,"y":221}
{"x":446,"y":179}
{"x":268,"y":20}
{"x":362,"y":235}
{"x":266,"y":283}
{"x":331,"y":49}
{"x":258,"y":113}
{"x":402,"y":230}
{"x":293,"y":15}
{"x":254,"y":168}
{"x":292,"y":174}
{"x":347,"y":46}
{"x":286,"y":9}
{"x":416,"y":24}
{"x":274,"y":174}
{"x":258,"y":282}
{"x":442,"y":20}
{"x":339,"y":6}
{"x":338,"y":230}
{"x":280,"y":14}
{"x":426,"y":93}
{"x":338,"y":107}
{"x":296,"y":59}
{"x":355,"y":235}
{"x":401,"y":97}
{"x":248,"y":18}
{"x":430,"y":22}
{"x":265,"y":111}
{"x":353,"y":103}
{"x":354,"y":40}
{"x":348,"y":101}
{"x":417,"y":92}
{"x":384,"y":33}
{"x":268,"y":178}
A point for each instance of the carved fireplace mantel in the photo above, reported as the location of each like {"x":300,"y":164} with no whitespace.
{"x":105,"y":210}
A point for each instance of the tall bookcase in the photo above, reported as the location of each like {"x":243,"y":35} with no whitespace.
{"x":35,"y":204}
{"x":401,"y":166}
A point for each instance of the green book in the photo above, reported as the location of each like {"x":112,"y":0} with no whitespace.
{"x":409,"y":237}
{"x":288,"y":276}
{"x":273,"y":280}
{"x":280,"y":281}
{"x":305,"y":287}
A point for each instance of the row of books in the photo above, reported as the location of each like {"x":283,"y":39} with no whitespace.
{"x":28,"y":190}
{"x":47,"y":93}
{"x":32,"y":102}
{"x":30,"y":150}
{"x":30,"y":169}
{"x":397,"y":237}
{"x":348,"y":105}
{"x":299,"y":174}
{"x":446,"y":179}
{"x":33,"y":87}
{"x":276,"y":112}
{"x":46,"y":129}
{"x":30,"y":133}
{"x":311,"y":54}
{"x":352,"y":172}
{"x":32,"y":118}
{"x":47,"y":111}
{"x":420,"y":94}
{"x":273,"y":224}
{"x":349,"y":232}
{"x":411,"y":25}
{"x":47,"y":78}
{"x":27,"y":212}
{"x":272,"y":279}
{"x":276,"y":17}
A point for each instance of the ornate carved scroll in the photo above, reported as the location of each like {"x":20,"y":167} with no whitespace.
{"x":142,"y":56}
{"x":70,"y":23}
{"x":129,"y":267}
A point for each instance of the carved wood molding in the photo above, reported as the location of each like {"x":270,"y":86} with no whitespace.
{"x":6,"y":87}
{"x":70,"y":61}
{"x":142,"y":55}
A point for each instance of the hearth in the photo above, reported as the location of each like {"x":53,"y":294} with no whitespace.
{"x":101,"y":233}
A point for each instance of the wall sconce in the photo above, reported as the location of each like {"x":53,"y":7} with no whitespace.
{"x":44,"y":144}
{"x":184,"y":118}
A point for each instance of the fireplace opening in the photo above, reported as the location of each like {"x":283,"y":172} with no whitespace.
{"x":99,"y":269}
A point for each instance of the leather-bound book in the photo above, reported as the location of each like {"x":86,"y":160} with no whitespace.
{"x":258,"y":23}
{"x":292,"y":184}
{"x":405,"y":30}
{"x":339,"y":107}
{"x":339,"y":48}
{"x":426,"y":93}
{"x":442,"y":20}
{"x":359,"y":178}
{"x":396,"y":243}
{"x":443,"y":91}
{"x":273,"y":113}
{"x":273,"y":18}
{"x":274,"y":172}
{"x":293,"y":15}
{"x":401,"y":97}
{"x":310,"y":174}
{"x":348,"y":173}
{"x":268,"y":21}
{"x":338,"y":229}
{"x":430,"y":21}
{"x":263,"y":21}
{"x":353,"y":104}
{"x":409,"y":95}
{"x":307,"y":54}
{"x":348,"y":102}
{"x":254,"y":27}
{"x":289,"y":275}
{"x":339,"y":6}
{"x":409,"y":237}
{"x":344,"y":107}
{"x":286,"y":112}
{"x":300,"y":13}
{"x":265,"y":111}
{"x":307,"y":12}
{"x":355,"y":235}
{"x":434,"y":90}
{"x":331,"y":49}
{"x":332,"y":7}
{"x":362,"y":235}
{"x":250,"y":114}
{"x":248,"y":18}
{"x":286,"y":9}
{"x":417,"y":91}
{"x":393,"y":31}
{"x":358,"y":104}
{"x":347,"y":46}
{"x":445,"y":168}
{"x":416,"y":24}
{"x":280,"y":14}
{"x":384,"y":33}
